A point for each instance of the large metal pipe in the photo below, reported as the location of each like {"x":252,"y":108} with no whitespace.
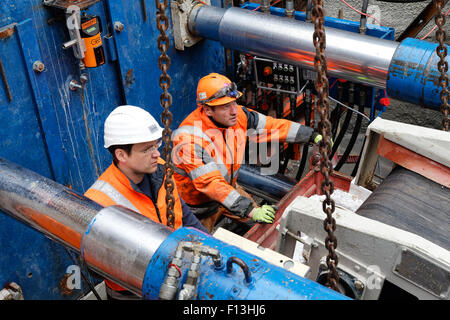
{"x":135,"y":251}
{"x":350,"y":56}
{"x":83,"y":225}
{"x":408,"y":70}
{"x":58,"y":212}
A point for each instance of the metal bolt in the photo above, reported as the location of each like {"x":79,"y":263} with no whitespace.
{"x":357,"y":268}
{"x":118,"y":26}
{"x":359,"y":285}
{"x":74,"y":85}
{"x":323,"y":263}
{"x":38,"y":66}
{"x":84,"y":78}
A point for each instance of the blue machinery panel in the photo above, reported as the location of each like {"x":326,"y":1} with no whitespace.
{"x":57,"y":132}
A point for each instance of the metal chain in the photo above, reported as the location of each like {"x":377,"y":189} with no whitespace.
{"x":441,"y":51}
{"x":326,"y":167}
{"x":162,"y":23}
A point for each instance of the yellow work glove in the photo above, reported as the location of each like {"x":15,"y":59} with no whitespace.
{"x":264,"y":214}
{"x":316,"y":138}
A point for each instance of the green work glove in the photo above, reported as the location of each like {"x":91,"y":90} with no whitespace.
{"x":264,"y":214}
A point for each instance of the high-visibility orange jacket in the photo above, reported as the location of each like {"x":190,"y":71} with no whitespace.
{"x":113,"y":187}
{"x":207,"y":157}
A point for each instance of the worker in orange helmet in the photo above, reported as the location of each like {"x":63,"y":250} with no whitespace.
{"x":209,"y":146}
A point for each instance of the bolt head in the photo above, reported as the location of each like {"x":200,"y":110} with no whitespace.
{"x":359,"y":285}
{"x":118,"y":26}
{"x":38,"y":66}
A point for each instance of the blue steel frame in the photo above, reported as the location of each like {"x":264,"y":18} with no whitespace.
{"x":57,"y":132}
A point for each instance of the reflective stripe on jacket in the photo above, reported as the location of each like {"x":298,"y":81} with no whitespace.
{"x":113,"y":187}
{"x":207,"y":158}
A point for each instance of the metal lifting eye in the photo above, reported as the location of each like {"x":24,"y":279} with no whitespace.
{"x":243,"y":265}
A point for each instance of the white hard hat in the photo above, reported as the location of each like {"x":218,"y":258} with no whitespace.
{"x":130,"y":125}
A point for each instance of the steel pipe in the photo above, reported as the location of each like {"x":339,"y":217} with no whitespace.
{"x":58,"y":212}
{"x":350,"y":56}
{"x":116,"y":242}
{"x":120,"y":243}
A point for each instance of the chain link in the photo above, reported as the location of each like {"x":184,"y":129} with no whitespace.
{"x":162,"y":23}
{"x":441,"y":51}
{"x":326,"y":167}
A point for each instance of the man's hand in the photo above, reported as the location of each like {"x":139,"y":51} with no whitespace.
{"x":264,"y":214}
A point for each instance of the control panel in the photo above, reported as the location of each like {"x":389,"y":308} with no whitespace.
{"x":276,"y":76}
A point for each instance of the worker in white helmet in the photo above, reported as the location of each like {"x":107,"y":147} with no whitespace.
{"x":136,"y":177}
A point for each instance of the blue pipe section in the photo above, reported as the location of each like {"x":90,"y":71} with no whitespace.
{"x":264,"y":281}
{"x":413,"y":74}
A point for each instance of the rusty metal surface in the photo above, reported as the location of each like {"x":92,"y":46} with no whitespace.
{"x":415,"y":162}
{"x":162,"y":23}
{"x":322,"y":105}
{"x":441,"y":51}
{"x":7,"y":31}
{"x":5,"y":82}
{"x":420,"y":21}
{"x":423,"y":273}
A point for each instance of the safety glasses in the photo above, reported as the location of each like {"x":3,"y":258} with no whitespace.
{"x":228,"y":90}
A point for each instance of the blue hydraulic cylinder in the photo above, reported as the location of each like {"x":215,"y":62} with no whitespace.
{"x":413,"y":74}
{"x":255,"y":279}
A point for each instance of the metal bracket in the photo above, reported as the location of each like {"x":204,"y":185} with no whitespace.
{"x":180,"y":12}
{"x":73,"y":25}
{"x":12,"y":291}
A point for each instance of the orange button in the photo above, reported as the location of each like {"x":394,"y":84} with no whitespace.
{"x":267,"y":71}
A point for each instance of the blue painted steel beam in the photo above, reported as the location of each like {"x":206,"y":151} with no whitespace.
{"x":348,"y":25}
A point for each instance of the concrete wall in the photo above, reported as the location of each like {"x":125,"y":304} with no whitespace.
{"x":398,"y":16}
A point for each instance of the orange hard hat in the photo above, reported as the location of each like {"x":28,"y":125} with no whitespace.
{"x":216,"y":89}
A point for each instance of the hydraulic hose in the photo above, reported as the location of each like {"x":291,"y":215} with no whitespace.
{"x":346,"y":123}
{"x":355,"y":132}
{"x":363,"y":21}
{"x":337,"y":112}
{"x":355,"y":169}
{"x":289,"y":152}
{"x":305,"y":149}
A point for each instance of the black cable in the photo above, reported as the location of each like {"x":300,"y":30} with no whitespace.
{"x":337,"y":112}
{"x":348,"y":117}
{"x":289,"y":152}
{"x":91,"y":286}
{"x":355,"y":132}
{"x":305,"y":149}
{"x":363,"y":21}
{"x":355,"y":169}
